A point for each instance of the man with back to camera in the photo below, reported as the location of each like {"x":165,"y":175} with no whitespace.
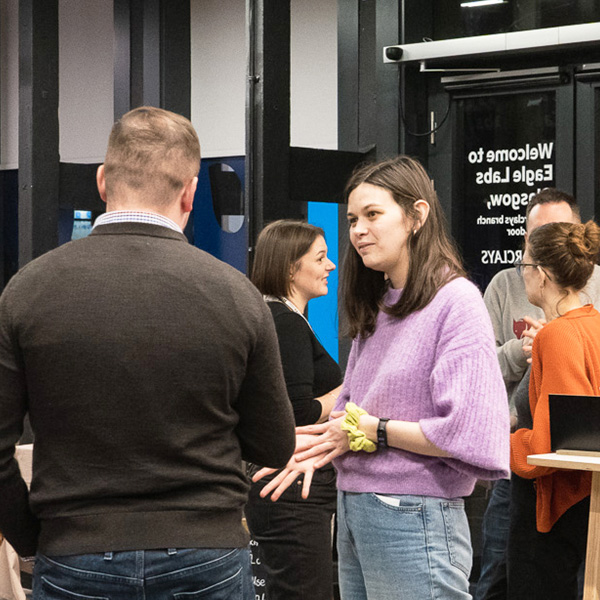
{"x":516,"y":323}
{"x":150,"y":370}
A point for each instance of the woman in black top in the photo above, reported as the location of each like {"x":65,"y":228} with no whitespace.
{"x":294,"y":534}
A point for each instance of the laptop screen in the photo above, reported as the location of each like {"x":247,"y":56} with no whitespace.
{"x":574,"y":422}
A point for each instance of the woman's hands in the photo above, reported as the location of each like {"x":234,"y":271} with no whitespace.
{"x":288,"y":474}
{"x":327,"y":440}
{"x":316,"y":446}
{"x":534,"y":326}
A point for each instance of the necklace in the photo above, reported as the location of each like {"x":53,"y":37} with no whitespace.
{"x":289,"y":304}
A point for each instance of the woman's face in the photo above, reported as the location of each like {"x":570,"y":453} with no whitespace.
{"x":379,"y":231}
{"x":309,"y":278}
{"x":532,"y":280}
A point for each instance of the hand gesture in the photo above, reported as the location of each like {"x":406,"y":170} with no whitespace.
{"x":533,"y":328}
{"x":327,"y":441}
{"x":290,"y":472}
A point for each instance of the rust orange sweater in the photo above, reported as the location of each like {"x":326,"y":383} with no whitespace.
{"x":566,"y":360}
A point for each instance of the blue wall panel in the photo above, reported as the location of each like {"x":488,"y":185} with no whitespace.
{"x":231,"y":248}
{"x":323,"y":312}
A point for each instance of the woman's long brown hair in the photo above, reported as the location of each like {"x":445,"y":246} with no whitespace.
{"x":433,"y":257}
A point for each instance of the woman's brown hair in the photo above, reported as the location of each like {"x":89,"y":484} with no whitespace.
{"x":279,"y":247}
{"x":433,"y":257}
{"x":567,"y":250}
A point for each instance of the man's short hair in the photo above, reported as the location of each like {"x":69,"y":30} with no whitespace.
{"x":553,"y":196}
{"x":153,"y":151}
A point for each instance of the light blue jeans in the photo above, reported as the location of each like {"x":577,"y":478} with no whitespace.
{"x":403,"y":548}
{"x":210,"y":574}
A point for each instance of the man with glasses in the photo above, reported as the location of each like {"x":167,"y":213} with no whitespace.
{"x":512,"y":315}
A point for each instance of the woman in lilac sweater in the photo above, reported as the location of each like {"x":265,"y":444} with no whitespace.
{"x":423,"y":412}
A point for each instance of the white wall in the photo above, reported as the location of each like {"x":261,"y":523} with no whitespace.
{"x":219,"y":74}
{"x":218,"y":61}
{"x":314,"y":74}
{"x":86,"y":66}
{"x":85,"y":80}
{"x":9,"y":84}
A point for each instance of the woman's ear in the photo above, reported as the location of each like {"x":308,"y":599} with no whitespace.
{"x":543,"y":276}
{"x":294,"y":268}
{"x":422,"y":208}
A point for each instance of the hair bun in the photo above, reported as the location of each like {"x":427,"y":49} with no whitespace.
{"x":568,"y":250}
{"x":591,"y":239}
{"x":583,"y":241}
{"x":575,"y":241}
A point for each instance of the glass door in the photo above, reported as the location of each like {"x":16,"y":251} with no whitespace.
{"x":511,"y":136}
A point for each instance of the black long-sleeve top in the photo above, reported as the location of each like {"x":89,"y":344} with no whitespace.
{"x":308,"y":368}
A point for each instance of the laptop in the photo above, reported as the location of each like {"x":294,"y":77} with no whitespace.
{"x":575,"y":424}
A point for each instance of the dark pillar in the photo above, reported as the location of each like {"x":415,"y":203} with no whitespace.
{"x":175,"y":57}
{"x":357,"y":79}
{"x":416,"y":23}
{"x":388,"y":85}
{"x":145,"y":53}
{"x":122,"y":43}
{"x":268,"y":115}
{"x":38,"y":128}
{"x":348,"y":74}
{"x":152,"y":55}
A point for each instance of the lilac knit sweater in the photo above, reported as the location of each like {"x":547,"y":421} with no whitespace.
{"x":437,"y":366}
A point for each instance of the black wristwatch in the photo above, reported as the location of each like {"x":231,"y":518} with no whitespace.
{"x":382,"y":433}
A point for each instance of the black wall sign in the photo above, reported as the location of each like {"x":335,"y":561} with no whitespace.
{"x":507,"y":156}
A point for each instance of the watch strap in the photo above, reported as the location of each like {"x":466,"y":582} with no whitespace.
{"x":382,"y":433}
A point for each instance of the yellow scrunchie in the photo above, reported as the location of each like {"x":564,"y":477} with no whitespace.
{"x":356,"y":438}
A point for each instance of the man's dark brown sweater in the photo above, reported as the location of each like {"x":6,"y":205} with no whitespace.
{"x":150,"y":370}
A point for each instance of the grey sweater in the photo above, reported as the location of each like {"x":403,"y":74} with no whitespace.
{"x":507,"y":303}
{"x":150,"y":370}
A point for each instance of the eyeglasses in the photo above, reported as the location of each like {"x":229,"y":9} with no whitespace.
{"x":519,"y":266}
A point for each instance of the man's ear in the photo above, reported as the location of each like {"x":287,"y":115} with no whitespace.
{"x":101,"y":182}
{"x":187,"y":197}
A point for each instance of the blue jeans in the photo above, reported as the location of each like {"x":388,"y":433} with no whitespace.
{"x":492,"y":582}
{"x":210,"y":574}
{"x":417,"y":549}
